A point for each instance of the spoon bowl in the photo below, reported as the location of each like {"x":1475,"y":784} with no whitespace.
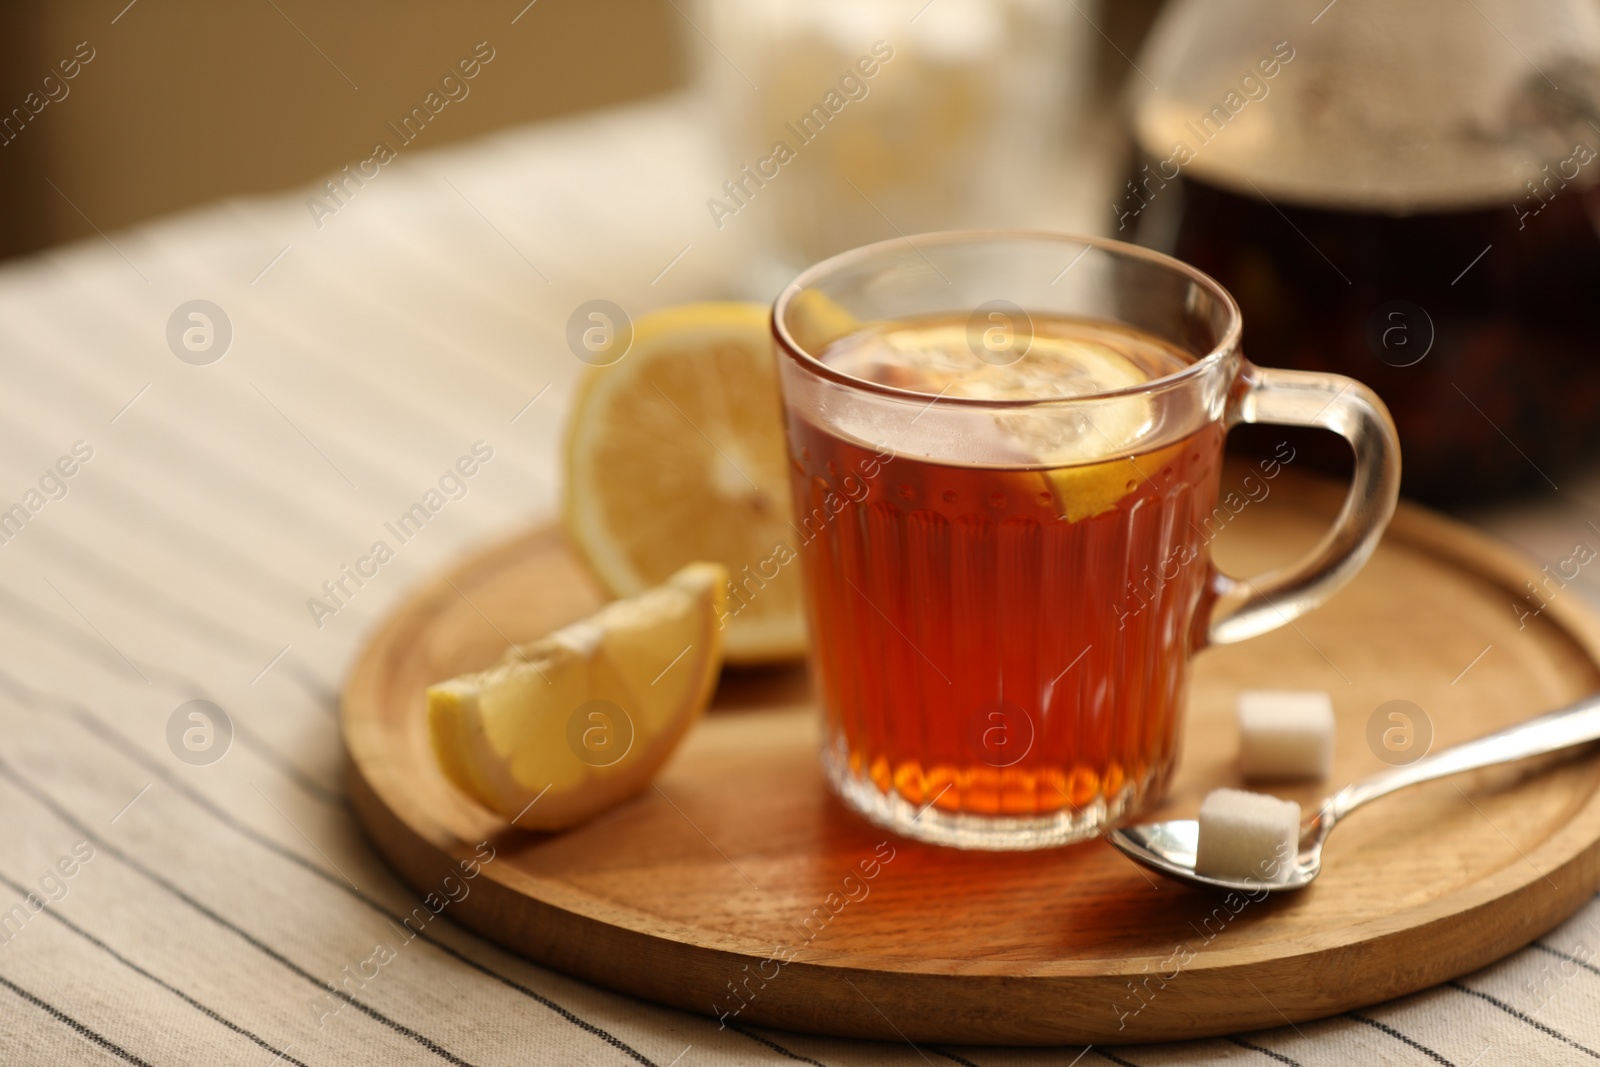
{"x":1170,"y":847}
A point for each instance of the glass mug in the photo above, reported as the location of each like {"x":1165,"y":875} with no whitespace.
{"x":1005,"y":451}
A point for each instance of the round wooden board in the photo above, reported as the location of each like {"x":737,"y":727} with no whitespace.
{"x":739,"y":857}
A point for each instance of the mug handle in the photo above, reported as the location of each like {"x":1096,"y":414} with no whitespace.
{"x":1246,"y":607}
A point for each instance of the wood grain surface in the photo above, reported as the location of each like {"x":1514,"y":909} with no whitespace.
{"x":738,"y":885}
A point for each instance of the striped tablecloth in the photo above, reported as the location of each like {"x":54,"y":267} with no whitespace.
{"x":164,"y":519}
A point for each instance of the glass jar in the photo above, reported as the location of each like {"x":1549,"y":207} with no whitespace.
{"x":1407,"y":193}
{"x":850,"y":121}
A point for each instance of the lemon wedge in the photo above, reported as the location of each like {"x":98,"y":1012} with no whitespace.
{"x":573,"y":724}
{"x":676,"y":453}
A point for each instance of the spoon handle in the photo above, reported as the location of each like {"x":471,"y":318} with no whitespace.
{"x":1572,"y":725}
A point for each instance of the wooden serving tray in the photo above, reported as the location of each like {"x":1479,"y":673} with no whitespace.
{"x":740,"y":874}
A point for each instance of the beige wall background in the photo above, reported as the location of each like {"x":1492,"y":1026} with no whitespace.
{"x":189,"y":100}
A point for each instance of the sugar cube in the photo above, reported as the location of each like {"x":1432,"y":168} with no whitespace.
{"x":1247,"y":835}
{"x":1285,"y":734}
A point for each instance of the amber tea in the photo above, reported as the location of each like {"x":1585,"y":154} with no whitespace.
{"x":1007,"y":638}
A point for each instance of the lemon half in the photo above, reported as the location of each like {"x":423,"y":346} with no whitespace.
{"x":676,"y":453}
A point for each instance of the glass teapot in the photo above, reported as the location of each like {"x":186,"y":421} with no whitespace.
{"x":1407,"y":193}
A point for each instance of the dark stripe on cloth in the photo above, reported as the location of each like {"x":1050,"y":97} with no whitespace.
{"x":1267,"y":1052}
{"x":1530,"y":1020}
{"x":1402,"y":1038}
{"x":773,"y":1045}
{"x":82,"y":1030}
{"x":174,"y":990}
